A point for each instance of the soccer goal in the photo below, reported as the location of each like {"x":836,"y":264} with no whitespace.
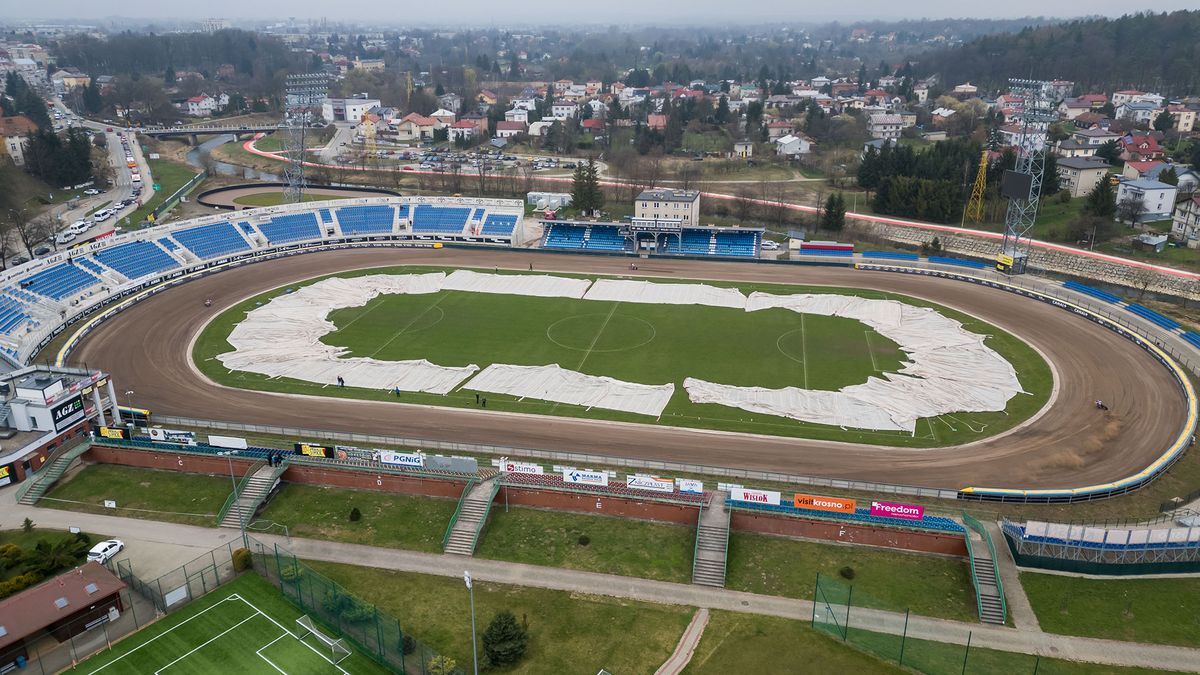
{"x":336,"y":647}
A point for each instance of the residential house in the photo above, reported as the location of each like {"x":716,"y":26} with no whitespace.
{"x":450,"y":101}
{"x":67,"y":79}
{"x":508,"y":129}
{"x":656,"y":121}
{"x":15,"y":131}
{"x":417,"y":127}
{"x":561,"y":86}
{"x":595,"y":125}
{"x":599,"y":108}
{"x":1183,"y":117}
{"x":1089,"y":120}
{"x":669,"y":204}
{"x":526,"y":103}
{"x":1138,"y":111}
{"x":347,"y":109}
{"x":884,"y":126}
{"x":200,"y":106}
{"x":921,"y":92}
{"x":1140,"y":146}
{"x":1148,"y":168}
{"x":743,"y":149}
{"x":481,"y":122}
{"x":964,"y":91}
{"x":1080,"y":175}
{"x":593,"y":87}
{"x":1120,"y":97}
{"x":792,"y":146}
{"x":444,"y":116}
{"x":778,"y":129}
{"x":941,"y":115}
{"x":1157,"y":199}
{"x":369,"y":65}
{"x":517,"y":115}
{"x":1073,"y":107}
{"x":462,"y":130}
{"x":562,"y":110}
{"x":487,"y":97}
{"x":1096,"y":136}
{"x":1185,"y":225}
{"x":1073,"y":148}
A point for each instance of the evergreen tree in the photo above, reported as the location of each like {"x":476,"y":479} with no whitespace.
{"x":169,"y":76}
{"x":1101,"y":201}
{"x":505,"y":640}
{"x":1110,"y":152}
{"x":593,"y":181}
{"x":1169,"y":176}
{"x":1050,"y":182}
{"x":722,"y":113}
{"x":92,"y":102}
{"x":1164,"y":122}
{"x":581,"y":196}
{"x":833,"y":217}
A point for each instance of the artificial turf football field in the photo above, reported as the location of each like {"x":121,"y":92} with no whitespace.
{"x":644,"y":343}
{"x":245,"y":627}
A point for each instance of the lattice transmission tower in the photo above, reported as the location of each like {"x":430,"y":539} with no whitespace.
{"x":303,"y":93}
{"x":1023,"y":184}
{"x":975,"y":204}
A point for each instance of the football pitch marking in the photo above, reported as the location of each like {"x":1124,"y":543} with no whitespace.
{"x":409,"y":324}
{"x":870,"y":351}
{"x":257,"y":613}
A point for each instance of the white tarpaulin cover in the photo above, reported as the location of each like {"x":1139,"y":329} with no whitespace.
{"x":283,"y":338}
{"x":624,"y":290}
{"x":950,"y":370}
{"x":537,"y":285}
{"x":553,"y":383}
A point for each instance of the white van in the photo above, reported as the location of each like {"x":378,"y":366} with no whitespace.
{"x":101,"y":215}
{"x":137,"y":177}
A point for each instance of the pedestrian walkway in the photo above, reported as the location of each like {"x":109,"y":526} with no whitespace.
{"x":1019,"y":640}
{"x":1019,"y":609}
{"x":682,"y":655}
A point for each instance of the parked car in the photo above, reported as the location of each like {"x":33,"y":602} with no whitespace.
{"x":79,"y":227}
{"x":91,"y":191}
{"x":105,"y":550}
{"x":65,"y":237}
{"x":101,"y":215}
{"x":770,"y":246}
{"x":41,"y":250}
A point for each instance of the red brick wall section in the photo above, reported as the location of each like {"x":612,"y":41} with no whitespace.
{"x":925,"y":542}
{"x":609,"y":506}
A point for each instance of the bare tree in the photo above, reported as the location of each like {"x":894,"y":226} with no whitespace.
{"x":482,"y":171}
{"x":743,"y":204}
{"x":1129,"y":208}
{"x":8,"y":239}
{"x":687,"y":176}
{"x":31,"y":230}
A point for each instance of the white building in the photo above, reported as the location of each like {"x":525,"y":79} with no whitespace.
{"x":1185,"y":226}
{"x":793,"y":145}
{"x":884,"y":126}
{"x":1158,"y":199}
{"x":517,"y":115}
{"x":668,"y":204}
{"x":564,"y":110}
{"x":347,"y":109}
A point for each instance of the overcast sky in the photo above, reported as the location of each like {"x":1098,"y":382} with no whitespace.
{"x":487,"y":12}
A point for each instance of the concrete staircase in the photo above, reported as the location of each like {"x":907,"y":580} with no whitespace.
{"x":991,"y":607}
{"x":38,"y":485}
{"x":472,"y":513}
{"x":252,"y":493}
{"x":712,"y":543}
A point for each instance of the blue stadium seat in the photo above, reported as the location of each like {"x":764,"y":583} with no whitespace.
{"x":961,"y":262}
{"x":89,"y":264}
{"x":860,"y":515}
{"x":1094,"y":292}
{"x":1152,"y":316}
{"x":891,"y":255}
{"x":428,"y":219}
{"x":357,"y":220}
{"x":137,"y":259}
{"x":59,"y":281}
{"x":1192,"y":339}
{"x":211,"y":241}
{"x":499,"y":225}
{"x":291,"y":227}
{"x":168,"y":243}
{"x":732,"y":242}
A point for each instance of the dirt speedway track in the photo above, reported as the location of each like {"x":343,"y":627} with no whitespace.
{"x":1069,"y":445}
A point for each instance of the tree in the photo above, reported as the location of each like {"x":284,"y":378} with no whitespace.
{"x":833,"y":216}
{"x":1164,"y":122}
{"x":721,"y":116}
{"x":1101,"y":202}
{"x":505,"y":640}
{"x":442,"y":665}
{"x":1110,"y":152}
{"x":1169,"y":176}
{"x":1050,"y":181}
{"x":1129,"y":208}
{"x":586,"y":195}
{"x":92,"y":102}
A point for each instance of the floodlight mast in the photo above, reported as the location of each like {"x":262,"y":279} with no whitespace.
{"x":1035,"y":119}
{"x":302,"y":93}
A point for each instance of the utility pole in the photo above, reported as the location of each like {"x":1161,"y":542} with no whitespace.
{"x":471,"y":592}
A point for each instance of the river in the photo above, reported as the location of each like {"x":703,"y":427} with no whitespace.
{"x":195,"y":157}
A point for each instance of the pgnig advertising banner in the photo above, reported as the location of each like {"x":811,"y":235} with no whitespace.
{"x":413,"y":460}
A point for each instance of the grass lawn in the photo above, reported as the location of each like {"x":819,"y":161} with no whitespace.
{"x":1165,"y":611}
{"x":276,"y":198}
{"x":639,"y":343}
{"x":245,"y":627}
{"x":617,"y":545}
{"x":169,"y":176}
{"x":928,"y":585}
{"x":568,"y":632}
{"x":388,"y":519}
{"x":98,"y":207}
{"x":150,"y":494}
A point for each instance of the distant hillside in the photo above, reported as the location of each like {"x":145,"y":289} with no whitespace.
{"x":1153,"y":52}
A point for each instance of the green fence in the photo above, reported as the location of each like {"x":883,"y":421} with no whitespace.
{"x":973,"y":524}
{"x":844,"y":614}
{"x":372,"y":631}
{"x":173,"y":199}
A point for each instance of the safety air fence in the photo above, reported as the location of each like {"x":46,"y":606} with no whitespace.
{"x":1131,"y":549}
{"x":99,"y":305}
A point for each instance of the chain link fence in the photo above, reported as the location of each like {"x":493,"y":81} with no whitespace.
{"x":362,"y":623}
{"x":846,"y":614}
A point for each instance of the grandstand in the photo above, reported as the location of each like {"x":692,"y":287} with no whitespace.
{"x":861,"y":516}
{"x":359,"y":220}
{"x":13,"y":314}
{"x":444,"y":220}
{"x":659,"y":238}
{"x":211,"y":241}
{"x":499,"y":225}
{"x":137,"y":259}
{"x":291,"y":227}
{"x":60,"y":281}
{"x":554,"y":481}
{"x":1137,"y":545}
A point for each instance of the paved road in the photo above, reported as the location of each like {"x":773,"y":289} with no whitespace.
{"x":1069,"y":445}
{"x":1025,"y":641}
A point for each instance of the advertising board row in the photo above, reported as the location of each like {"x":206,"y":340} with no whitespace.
{"x":827,"y":504}
{"x":573,"y":476}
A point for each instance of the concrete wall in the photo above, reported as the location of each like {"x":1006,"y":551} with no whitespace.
{"x":925,"y":542}
{"x":603,"y":505}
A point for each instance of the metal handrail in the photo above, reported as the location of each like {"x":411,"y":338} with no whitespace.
{"x":974,"y":524}
{"x":238,"y":489}
{"x":696,"y":543}
{"x":71,"y":452}
{"x":457,"y":511}
{"x":487,"y":511}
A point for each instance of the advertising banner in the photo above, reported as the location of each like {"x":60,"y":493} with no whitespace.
{"x":755,"y":496}
{"x":653,"y":483}
{"x":172,"y":436}
{"x":509,"y":466}
{"x":313,"y":450}
{"x":690,"y":486}
{"x":819,"y":503}
{"x":113,"y":432}
{"x":228,"y":442}
{"x":67,"y":414}
{"x":905,"y":511}
{"x":6,"y":474}
{"x":413,"y":460}
{"x":352,"y":452}
{"x":584,"y":477}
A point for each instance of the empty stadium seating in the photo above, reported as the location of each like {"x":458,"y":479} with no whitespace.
{"x":168,"y":243}
{"x":694,"y":242}
{"x":326,"y":216}
{"x":563,"y":236}
{"x":210,"y":241}
{"x":1152,"y":316}
{"x":1088,"y":290}
{"x":961,"y":262}
{"x":1192,"y":339}
{"x":136,"y":259}
{"x":828,"y":252}
{"x":357,"y":220}
{"x":89,"y":264}
{"x":499,"y":225}
{"x":1097,"y":537}
{"x":554,"y":481}
{"x":291,"y":227}
{"x":428,"y":219}
{"x":59,"y":281}
{"x":891,"y":255}
{"x":860,"y":516}
{"x":13,"y":314}
{"x":731,"y":242}
{"x":603,"y":238}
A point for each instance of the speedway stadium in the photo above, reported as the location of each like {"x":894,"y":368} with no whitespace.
{"x":186,"y":314}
